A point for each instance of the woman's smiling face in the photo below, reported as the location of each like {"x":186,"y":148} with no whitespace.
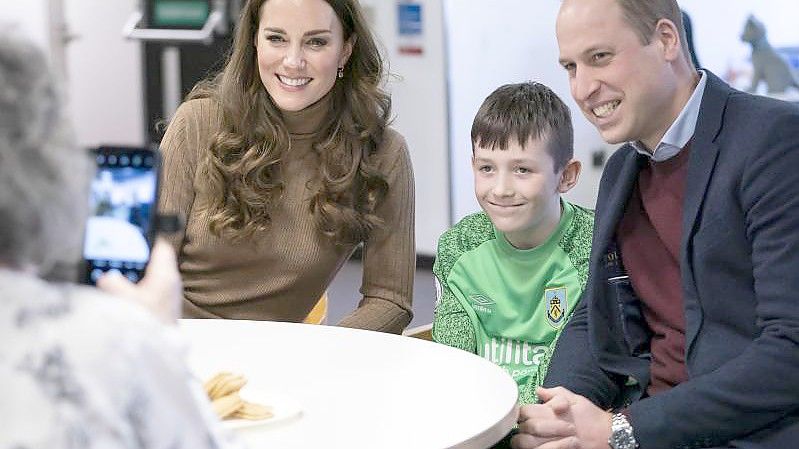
{"x":300,"y":46}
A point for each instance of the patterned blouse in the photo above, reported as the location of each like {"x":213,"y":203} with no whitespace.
{"x":82,"y":370}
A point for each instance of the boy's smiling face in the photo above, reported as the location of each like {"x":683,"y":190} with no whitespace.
{"x":519,"y":189}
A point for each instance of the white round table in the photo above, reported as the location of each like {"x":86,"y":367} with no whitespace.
{"x":358,"y":389}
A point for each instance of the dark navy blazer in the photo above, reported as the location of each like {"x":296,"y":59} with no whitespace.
{"x":739,"y":262}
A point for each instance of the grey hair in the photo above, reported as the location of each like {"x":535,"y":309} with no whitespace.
{"x":43,"y":175}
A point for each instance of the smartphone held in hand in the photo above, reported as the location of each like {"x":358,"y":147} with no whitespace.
{"x":122,"y":210}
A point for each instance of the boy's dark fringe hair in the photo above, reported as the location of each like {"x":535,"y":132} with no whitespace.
{"x":525,"y":111}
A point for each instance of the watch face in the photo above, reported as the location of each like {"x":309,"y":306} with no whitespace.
{"x":622,"y":439}
{"x":621,"y":436}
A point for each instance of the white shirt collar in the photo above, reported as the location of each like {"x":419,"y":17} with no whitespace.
{"x":681,"y":131}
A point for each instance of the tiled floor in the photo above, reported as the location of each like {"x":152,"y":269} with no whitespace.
{"x":344,"y":294}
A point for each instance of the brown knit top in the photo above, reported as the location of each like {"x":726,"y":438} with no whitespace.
{"x":281,"y":272}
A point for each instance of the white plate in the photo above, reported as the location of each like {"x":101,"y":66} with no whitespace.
{"x":283,"y":408}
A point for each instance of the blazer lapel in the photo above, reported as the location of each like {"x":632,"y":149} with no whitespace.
{"x":612,"y":354}
{"x":701,"y":162}
{"x":618,"y":196}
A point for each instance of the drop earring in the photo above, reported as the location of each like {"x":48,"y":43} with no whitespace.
{"x":341,"y":72}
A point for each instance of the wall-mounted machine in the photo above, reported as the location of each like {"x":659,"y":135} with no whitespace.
{"x":183,"y":41}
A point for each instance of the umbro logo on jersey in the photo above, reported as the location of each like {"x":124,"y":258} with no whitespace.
{"x":482,"y":303}
{"x":482,"y":300}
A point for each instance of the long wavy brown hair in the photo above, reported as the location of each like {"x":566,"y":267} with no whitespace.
{"x":244,"y":159}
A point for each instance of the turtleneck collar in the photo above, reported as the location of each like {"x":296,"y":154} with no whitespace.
{"x":307,"y":122}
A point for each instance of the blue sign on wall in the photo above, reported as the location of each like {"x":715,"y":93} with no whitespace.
{"x":410,"y":19}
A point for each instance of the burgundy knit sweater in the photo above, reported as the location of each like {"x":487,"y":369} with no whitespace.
{"x":649,"y":238}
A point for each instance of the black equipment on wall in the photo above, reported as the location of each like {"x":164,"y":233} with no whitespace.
{"x":183,"y":42}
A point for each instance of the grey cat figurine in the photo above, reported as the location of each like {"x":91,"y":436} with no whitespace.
{"x":768,"y":65}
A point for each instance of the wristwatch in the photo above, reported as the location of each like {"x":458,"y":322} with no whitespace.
{"x":621,"y":433}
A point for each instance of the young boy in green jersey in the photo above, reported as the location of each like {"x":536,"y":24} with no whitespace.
{"x":508,"y":278}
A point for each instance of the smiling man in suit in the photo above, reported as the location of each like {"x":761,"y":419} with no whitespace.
{"x":688,"y":334}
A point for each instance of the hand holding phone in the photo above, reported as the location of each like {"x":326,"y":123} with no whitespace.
{"x":160,"y":290}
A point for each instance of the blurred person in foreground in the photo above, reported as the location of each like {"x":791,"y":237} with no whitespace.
{"x":688,"y":334}
{"x":79,"y":368}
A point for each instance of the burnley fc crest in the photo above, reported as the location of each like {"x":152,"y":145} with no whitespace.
{"x":555,"y":299}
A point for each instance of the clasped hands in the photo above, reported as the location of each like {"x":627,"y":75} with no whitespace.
{"x":564,"y":420}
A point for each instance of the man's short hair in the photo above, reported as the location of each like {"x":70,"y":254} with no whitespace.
{"x":643,"y":16}
{"x":525,"y":111}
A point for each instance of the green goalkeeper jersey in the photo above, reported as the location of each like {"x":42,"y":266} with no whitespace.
{"x":510,"y":305}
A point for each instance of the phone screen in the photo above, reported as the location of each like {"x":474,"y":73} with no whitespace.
{"x":122,"y":200}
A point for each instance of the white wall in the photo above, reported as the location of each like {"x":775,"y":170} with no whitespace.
{"x":28,"y":18}
{"x":104,"y":73}
{"x":101,"y":70}
{"x":419,"y":100}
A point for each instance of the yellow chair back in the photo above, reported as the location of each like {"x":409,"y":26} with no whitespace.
{"x":318,"y":315}
{"x":425,"y":332}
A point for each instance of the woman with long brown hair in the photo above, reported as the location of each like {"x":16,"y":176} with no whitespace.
{"x":283,"y":163}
